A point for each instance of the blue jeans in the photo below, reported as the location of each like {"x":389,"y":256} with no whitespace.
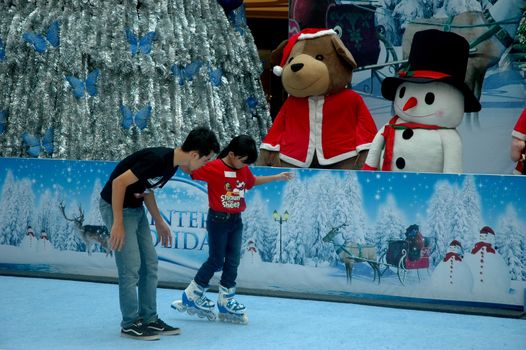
{"x":136,"y":265}
{"x":224,"y":248}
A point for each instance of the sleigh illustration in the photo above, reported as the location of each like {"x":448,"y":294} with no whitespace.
{"x":401,"y":256}
{"x":405,"y":255}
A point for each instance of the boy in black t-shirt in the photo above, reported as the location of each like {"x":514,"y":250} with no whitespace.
{"x":131,"y":184}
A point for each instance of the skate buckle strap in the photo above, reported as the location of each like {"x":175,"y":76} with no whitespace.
{"x":204,"y":301}
{"x":233,"y":304}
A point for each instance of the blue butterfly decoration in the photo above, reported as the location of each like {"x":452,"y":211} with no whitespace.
{"x":3,"y":121}
{"x":36,"y":144}
{"x":80,"y":86}
{"x":215,"y":76}
{"x":186,"y":73}
{"x":140,"y":119}
{"x":39,"y":42}
{"x":143,"y":44}
{"x":252,"y":103}
{"x":237,"y":19}
{"x":2,"y":50}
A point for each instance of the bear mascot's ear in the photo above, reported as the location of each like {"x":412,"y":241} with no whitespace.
{"x":343,"y":52}
{"x":342,"y":72}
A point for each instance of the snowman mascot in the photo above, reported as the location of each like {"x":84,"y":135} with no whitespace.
{"x":452,"y":275}
{"x":429,"y":100}
{"x":490,"y":273}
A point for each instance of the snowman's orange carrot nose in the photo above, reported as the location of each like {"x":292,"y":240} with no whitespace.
{"x":409,"y":104}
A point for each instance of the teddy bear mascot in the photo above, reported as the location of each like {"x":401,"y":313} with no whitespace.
{"x":429,"y":98}
{"x":518,"y":144}
{"x":322,"y":124}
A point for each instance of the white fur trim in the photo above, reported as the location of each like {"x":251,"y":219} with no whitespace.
{"x":315,"y":120}
{"x":293,"y":161}
{"x":269,"y":147}
{"x":518,"y":135}
{"x":277,"y":70}
{"x":363,"y":147}
{"x":338,"y":158}
{"x":317,"y":34}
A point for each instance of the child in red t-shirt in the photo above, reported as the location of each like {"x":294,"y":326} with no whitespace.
{"x":228,"y":178}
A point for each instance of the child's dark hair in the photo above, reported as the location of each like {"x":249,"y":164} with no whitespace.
{"x":241,"y":146}
{"x":202,"y":140}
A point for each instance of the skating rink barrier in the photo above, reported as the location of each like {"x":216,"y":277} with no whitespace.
{"x":353,"y":236}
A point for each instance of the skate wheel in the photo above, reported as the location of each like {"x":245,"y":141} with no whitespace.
{"x":211,"y":317}
{"x":177,"y":305}
{"x":244,"y":319}
{"x":190,"y":312}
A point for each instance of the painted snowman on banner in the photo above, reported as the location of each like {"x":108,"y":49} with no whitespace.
{"x":452,"y":275}
{"x":490,"y":273}
{"x":429,"y":98}
{"x":251,"y":254}
{"x":43,"y":243}
{"x":29,"y":241}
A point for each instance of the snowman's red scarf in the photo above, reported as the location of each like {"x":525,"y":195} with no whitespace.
{"x":454,"y":255}
{"x":480,"y":245}
{"x":389,"y":136}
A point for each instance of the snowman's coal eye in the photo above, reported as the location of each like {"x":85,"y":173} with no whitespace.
{"x":430,"y":98}
{"x":401,"y":93}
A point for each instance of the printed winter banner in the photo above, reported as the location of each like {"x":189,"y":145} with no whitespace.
{"x":453,"y":239}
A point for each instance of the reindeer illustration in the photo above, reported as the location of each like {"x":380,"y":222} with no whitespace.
{"x":90,"y":234}
{"x":352,"y":253}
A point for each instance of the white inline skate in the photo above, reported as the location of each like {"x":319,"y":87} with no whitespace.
{"x":229,"y":309}
{"x":194,"y":301}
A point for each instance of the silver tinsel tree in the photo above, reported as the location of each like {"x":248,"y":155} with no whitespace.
{"x":99,"y":79}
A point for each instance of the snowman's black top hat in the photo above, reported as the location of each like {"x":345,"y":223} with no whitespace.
{"x":435,"y":56}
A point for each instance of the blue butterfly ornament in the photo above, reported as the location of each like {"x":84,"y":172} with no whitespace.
{"x":186,"y":73}
{"x":2,"y":50}
{"x":215,"y":76}
{"x":38,"y":144}
{"x":137,"y":44}
{"x":79,"y":86}
{"x":39,"y":41}
{"x":237,"y":19}
{"x":3,"y":121}
{"x":251,"y":103}
{"x":140,"y":119}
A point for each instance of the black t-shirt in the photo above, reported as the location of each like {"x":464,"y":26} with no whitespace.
{"x":152,"y":166}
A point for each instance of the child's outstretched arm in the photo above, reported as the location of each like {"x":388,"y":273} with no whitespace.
{"x":284,"y":176}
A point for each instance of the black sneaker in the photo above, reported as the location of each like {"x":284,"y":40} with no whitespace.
{"x":161,"y":328}
{"x":139,"y":331}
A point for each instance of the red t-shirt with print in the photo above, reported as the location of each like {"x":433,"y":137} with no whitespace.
{"x":226,"y":185}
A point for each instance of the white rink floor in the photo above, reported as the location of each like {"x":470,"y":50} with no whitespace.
{"x":56,"y":314}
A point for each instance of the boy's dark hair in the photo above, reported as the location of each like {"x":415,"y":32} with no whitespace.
{"x":241,"y":146}
{"x":202,"y":140}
